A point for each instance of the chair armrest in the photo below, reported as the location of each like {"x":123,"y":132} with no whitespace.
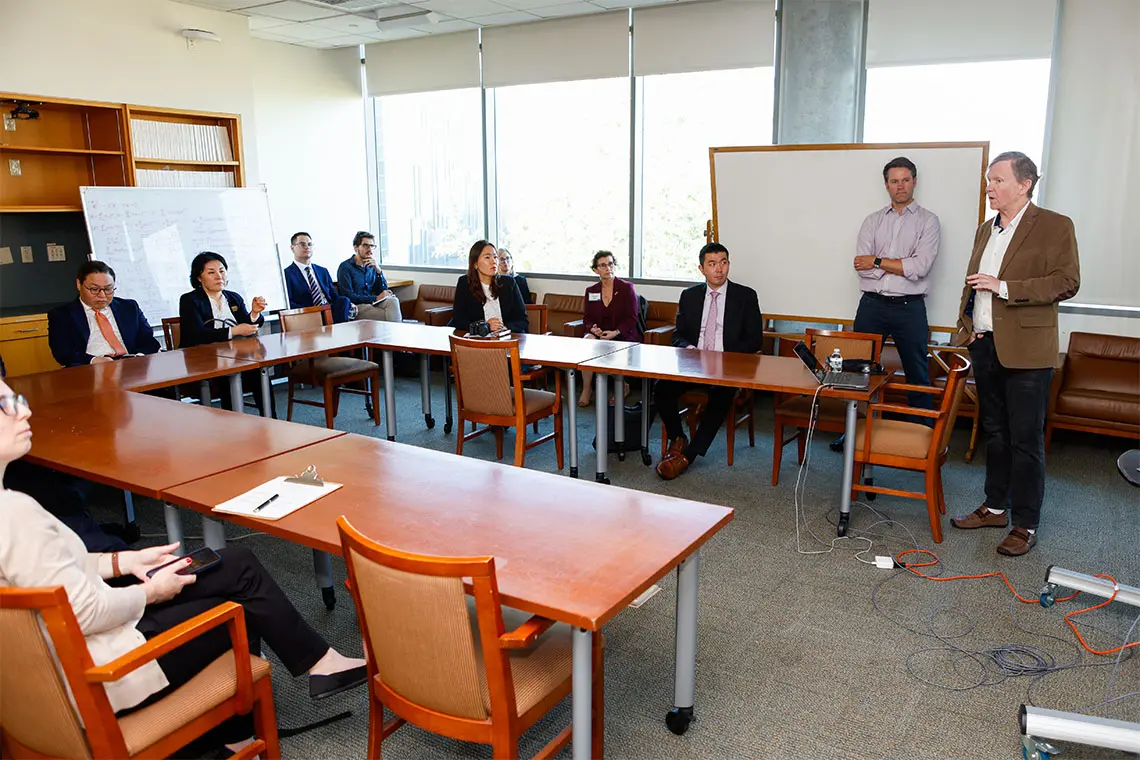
{"x":933,"y":390}
{"x":659,"y":336}
{"x":902,"y":409}
{"x":411,"y":321}
{"x":526,"y":634}
{"x":574,"y":329}
{"x":439,"y":316}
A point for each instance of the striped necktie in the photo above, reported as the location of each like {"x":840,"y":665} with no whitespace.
{"x":318,"y":296}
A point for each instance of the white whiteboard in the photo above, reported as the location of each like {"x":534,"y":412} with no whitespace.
{"x":150,"y":235}
{"x":790,"y":217}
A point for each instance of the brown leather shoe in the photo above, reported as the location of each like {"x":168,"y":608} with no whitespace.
{"x":1018,"y":542}
{"x":981,"y":517}
{"x":672,"y":466}
{"x":677,"y":446}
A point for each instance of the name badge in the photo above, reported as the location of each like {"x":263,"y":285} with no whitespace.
{"x":594,"y":296}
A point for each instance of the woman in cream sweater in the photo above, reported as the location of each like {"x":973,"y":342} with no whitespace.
{"x":37,"y":550}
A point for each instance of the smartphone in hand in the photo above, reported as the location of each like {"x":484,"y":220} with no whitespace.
{"x":200,"y":560}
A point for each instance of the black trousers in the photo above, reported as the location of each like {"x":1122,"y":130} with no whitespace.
{"x":1012,"y":405}
{"x":903,"y":320}
{"x":665,"y":395}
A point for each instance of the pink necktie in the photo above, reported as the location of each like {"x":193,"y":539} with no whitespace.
{"x":710,"y":325}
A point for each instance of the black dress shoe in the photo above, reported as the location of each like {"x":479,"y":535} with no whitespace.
{"x":837,"y":444}
{"x":334,"y":683}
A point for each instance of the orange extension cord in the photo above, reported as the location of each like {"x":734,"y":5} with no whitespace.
{"x":910,"y":568}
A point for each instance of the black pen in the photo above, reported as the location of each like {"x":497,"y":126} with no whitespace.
{"x":266,"y":503}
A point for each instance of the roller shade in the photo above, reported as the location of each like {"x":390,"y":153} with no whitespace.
{"x":562,"y":50}
{"x":423,"y":64}
{"x":910,"y":33}
{"x":727,"y":34}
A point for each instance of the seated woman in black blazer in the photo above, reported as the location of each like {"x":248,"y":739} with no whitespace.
{"x":507,"y":268}
{"x":211,"y":314}
{"x":483,"y":295}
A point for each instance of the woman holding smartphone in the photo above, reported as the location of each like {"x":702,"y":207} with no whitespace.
{"x":37,"y":550}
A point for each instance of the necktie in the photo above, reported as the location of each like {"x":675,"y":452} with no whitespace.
{"x":109,"y":334}
{"x":710,"y":325}
{"x":318,"y":296}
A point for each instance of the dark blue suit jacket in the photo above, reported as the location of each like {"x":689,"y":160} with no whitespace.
{"x":300,"y":297}
{"x":68,"y":331}
{"x":197,"y":317}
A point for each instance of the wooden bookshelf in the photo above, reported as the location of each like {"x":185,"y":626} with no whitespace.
{"x":184,"y":143}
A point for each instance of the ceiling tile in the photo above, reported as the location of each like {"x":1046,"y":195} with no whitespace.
{"x":527,"y":5}
{"x":225,"y":5}
{"x":629,"y":3}
{"x":464,"y":8}
{"x":444,"y":27}
{"x":347,"y":40}
{"x":399,"y":34}
{"x":348,"y":24}
{"x":566,"y":9}
{"x":265,"y":22}
{"x":291,"y":10}
{"x":499,"y":19}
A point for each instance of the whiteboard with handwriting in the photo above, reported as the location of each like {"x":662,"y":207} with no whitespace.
{"x":149,"y":236}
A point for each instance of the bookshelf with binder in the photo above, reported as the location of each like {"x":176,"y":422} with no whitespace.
{"x":171,"y":148}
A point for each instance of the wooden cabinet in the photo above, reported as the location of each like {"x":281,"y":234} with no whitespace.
{"x":24,"y":345}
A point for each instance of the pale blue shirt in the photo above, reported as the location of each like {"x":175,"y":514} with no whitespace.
{"x":911,"y":236}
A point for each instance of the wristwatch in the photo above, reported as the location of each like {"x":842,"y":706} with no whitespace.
{"x":878,"y":261}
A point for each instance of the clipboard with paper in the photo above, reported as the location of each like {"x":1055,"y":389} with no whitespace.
{"x":279,"y":497}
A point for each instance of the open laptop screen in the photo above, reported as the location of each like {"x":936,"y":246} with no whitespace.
{"x":808,"y":358}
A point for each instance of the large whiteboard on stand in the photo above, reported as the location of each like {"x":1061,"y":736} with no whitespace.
{"x":790,"y":217}
{"x":149,"y":236}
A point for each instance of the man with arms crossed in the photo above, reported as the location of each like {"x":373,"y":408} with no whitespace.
{"x":360,"y":280}
{"x":97,"y":326}
{"x":717,"y":316}
{"x":1024,"y":262}
{"x":310,"y":284}
{"x":894,"y":255}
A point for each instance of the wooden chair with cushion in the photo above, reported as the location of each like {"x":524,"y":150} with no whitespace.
{"x":331,"y":373}
{"x":691,"y":406}
{"x":38,"y":719}
{"x":795,"y":411}
{"x":172,"y":332}
{"x":450,"y":665}
{"x":489,"y":390}
{"x":913,"y":445}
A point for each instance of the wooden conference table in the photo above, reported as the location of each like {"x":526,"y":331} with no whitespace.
{"x":754,"y":371}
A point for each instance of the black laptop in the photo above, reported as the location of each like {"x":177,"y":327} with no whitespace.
{"x":856,"y":381}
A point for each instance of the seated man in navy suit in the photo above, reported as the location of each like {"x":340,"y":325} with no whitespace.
{"x":97,"y":327}
{"x":310,"y":284}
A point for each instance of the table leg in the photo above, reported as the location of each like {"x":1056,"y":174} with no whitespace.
{"x":129,"y":506}
{"x":130,"y":526}
{"x":449,"y":420}
{"x":583,"y":693}
{"x":173,"y":527}
{"x":646,"y":401}
{"x":266,"y":394}
{"x":389,"y":394}
{"x":237,"y":404}
{"x":619,"y":415}
{"x":571,"y":402}
{"x":602,"y":438}
{"x":322,"y":568}
{"x":685,"y":673}
{"x":204,"y":393}
{"x":848,"y":468}
{"x":425,"y":389}
{"x":214,"y":533}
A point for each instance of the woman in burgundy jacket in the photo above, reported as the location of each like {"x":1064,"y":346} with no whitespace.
{"x":610,"y":312}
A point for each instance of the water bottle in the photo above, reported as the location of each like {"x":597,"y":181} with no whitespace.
{"x":835,"y":361}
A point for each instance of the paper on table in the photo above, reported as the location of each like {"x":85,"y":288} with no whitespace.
{"x":290,"y":498}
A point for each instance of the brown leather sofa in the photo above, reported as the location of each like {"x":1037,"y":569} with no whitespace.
{"x":564,"y":314}
{"x":431,"y":306}
{"x":660,"y":320}
{"x":1097,"y":387}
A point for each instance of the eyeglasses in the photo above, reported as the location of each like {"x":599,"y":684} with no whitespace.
{"x":10,"y":404}
{"x":369,"y":245}
{"x":107,"y":291}
{"x":304,"y":245}
{"x":605,"y":265}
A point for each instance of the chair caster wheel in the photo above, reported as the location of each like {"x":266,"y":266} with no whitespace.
{"x":573,"y":472}
{"x":841,"y":527}
{"x":870,"y":494}
{"x":645,"y":458}
{"x":429,"y":421}
{"x":601,"y":479}
{"x":621,"y":456}
{"x":447,"y":428}
{"x":678,"y":719}
{"x":329,"y":596}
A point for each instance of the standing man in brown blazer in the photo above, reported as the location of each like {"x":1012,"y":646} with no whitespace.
{"x":1024,"y":262}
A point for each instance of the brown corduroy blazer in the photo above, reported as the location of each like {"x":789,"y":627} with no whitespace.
{"x":1040,"y":269}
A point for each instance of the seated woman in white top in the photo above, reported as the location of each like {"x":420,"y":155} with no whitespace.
{"x":37,"y":550}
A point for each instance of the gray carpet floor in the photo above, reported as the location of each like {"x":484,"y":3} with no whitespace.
{"x":800,"y":655}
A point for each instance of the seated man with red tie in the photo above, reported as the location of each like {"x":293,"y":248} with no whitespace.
{"x":716,"y":316}
{"x":309,"y":284}
{"x":97,"y":326}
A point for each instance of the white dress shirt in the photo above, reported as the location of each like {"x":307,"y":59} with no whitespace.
{"x":718,"y":336}
{"x":491,"y":307}
{"x":990,"y":264}
{"x":221,"y":312}
{"x":97,"y":345}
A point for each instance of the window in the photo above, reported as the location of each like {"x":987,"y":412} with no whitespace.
{"x":1000,"y":101}
{"x":561,"y":161}
{"x":682,"y":116}
{"x":430,"y":176}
